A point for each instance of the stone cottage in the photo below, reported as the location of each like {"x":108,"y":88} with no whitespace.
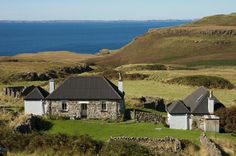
{"x":92,"y":97}
{"x":195,"y":111}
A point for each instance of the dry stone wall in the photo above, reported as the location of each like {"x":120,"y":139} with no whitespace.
{"x":158,"y":146}
{"x":147,"y":117}
{"x":210,"y":145}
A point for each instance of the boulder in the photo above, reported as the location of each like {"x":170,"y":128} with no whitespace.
{"x":3,"y":151}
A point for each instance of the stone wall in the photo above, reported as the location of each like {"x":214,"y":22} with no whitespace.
{"x":94,"y":109}
{"x":147,"y":117}
{"x":210,"y":145}
{"x":158,"y":146}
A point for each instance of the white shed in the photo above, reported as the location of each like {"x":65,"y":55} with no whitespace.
{"x":34,"y":101}
{"x":195,"y":111}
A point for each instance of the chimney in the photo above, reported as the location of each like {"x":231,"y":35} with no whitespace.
{"x":211,"y":103}
{"x":51,"y":85}
{"x":120,"y":83}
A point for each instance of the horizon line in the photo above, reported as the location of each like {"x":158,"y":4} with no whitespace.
{"x":6,"y":20}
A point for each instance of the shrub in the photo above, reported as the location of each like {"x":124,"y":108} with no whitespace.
{"x":147,"y":67}
{"x":227,"y":119}
{"x":202,"y":80}
{"x":113,"y":74}
{"x":124,"y":148}
{"x":59,"y":144}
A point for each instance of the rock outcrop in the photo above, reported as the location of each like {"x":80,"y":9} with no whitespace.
{"x":3,"y":151}
{"x":32,"y":123}
{"x":44,"y":76}
{"x":212,"y":148}
{"x":154,"y":103}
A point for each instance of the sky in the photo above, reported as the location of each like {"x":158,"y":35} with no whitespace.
{"x":112,"y":9}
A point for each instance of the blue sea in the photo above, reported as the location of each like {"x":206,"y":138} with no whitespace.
{"x":81,"y":37}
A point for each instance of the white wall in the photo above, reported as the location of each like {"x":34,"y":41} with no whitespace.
{"x":179,"y":121}
{"x":34,"y":107}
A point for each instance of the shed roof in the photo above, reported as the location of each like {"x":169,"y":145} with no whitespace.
{"x":37,"y":93}
{"x":195,"y":103}
{"x":178,"y":107}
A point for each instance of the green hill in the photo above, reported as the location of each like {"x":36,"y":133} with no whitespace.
{"x":209,"y":41}
{"x":220,"y":20}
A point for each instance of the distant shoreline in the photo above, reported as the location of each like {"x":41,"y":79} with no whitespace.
{"x":87,"y":37}
{"x":91,"y":21}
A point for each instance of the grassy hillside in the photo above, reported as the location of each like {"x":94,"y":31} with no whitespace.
{"x":210,"y":41}
{"x":221,"y":20}
{"x":39,"y":62}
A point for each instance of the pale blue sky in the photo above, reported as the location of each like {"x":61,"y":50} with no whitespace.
{"x":112,"y":9}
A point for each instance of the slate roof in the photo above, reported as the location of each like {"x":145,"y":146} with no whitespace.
{"x":86,"y":88}
{"x":37,"y":93}
{"x":195,"y":103}
{"x":27,"y":90}
{"x":178,"y":107}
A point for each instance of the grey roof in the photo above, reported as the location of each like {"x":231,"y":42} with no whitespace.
{"x":86,"y":88}
{"x":178,"y":107}
{"x":195,"y":103}
{"x":37,"y":93}
{"x":27,"y":90}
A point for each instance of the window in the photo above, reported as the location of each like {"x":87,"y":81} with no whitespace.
{"x":104,"y":106}
{"x":64,"y":106}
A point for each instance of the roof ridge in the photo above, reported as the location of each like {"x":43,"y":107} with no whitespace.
{"x":202,"y":99}
{"x":39,"y":91}
{"x":35,"y":89}
{"x":111,"y":86}
{"x":30,"y":93}
{"x":59,"y":86}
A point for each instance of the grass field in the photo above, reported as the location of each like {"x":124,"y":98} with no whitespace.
{"x":102,"y":130}
{"x":156,"y":84}
{"x":171,"y":92}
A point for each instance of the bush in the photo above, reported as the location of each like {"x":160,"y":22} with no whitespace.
{"x":147,"y":67}
{"x":227,"y":119}
{"x":124,"y":148}
{"x":202,"y":80}
{"x":113,"y":74}
{"x":59,"y":144}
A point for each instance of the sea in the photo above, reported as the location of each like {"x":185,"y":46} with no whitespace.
{"x":76,"y":36}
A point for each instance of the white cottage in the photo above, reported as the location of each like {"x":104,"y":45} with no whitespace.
{"x":34,"y":102}
{"x":92,"y":97}
{"x":195,"y":111}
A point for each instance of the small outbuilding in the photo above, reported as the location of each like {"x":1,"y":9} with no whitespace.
{"x":34,"y":102}
{"x":195,"y":111}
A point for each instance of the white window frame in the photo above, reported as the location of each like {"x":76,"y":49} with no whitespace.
{"x":104,"y":103}
{"x":66,"y":103}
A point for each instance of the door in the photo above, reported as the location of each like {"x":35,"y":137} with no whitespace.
{"x":84,"y":110}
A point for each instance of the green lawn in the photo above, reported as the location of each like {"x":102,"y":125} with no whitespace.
{"x":102,"y":130}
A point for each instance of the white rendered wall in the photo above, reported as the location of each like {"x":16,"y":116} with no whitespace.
{"x":34,"y":107}
{"x":178,"y":121}
{"x":168,"y":118}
